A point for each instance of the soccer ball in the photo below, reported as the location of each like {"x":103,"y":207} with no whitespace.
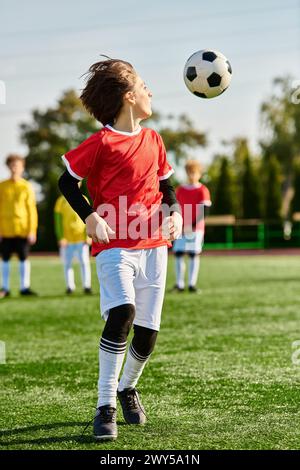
{"x":207,"y":73}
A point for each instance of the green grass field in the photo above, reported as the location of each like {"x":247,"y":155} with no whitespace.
{"x":221,"y":376}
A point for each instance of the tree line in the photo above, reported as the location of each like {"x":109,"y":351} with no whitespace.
{"x":250,"y":186}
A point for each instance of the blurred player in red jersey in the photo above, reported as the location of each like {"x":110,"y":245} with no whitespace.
{"x":127,"y":176}
{"x":194,"y":199}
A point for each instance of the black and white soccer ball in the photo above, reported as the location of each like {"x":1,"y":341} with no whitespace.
{"x":207,"y":73}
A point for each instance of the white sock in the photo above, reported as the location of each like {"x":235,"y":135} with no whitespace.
{"x":180,"y":271}
{"x":111,"y":356}
{"x":194,"y":270}
{"x":133,"y":369}
{"x":85,"y":267}
{"x":67,"y":254}
{"x":5,"y":275}
{"x":24,"y":274}
{"x":69,"y":276}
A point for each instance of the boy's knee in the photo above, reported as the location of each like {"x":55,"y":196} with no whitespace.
{"x":144,"y":340}
{"x":119,"y":322}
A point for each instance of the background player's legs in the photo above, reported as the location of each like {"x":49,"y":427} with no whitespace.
{"x":24,"y":274}
{"x":85,"y":266}
{"x":68,"y":269}
{"x":6,"y":254}
{"x":22,"y":250}
{"x":5,"y":275}
{"x":112,"y":352}
{"x":180,"y":269}
{"x":194,"y":266}
{"x":139,"y":352}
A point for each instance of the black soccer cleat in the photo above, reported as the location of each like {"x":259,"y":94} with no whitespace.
{"x":28,"y":291}
{"x":176,"y":288}
{"x":88,"y":290}
{"x":105,"y":426}
{"x":133,"y":410}
{"x":194,"y":290}
{"x":69,"y":291}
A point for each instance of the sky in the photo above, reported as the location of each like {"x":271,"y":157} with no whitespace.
{"x":47,"y":46}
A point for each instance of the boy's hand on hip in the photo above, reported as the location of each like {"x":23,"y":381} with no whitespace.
{"x":98,"y":229}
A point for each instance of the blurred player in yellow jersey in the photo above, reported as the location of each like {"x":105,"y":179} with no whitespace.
{"x":73,"y":242}
{"x":18,"y":223}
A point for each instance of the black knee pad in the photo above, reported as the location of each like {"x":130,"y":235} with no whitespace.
{"x":193,"y":255}
{"x":144,"y":340}
{"x":178,"y":254}
{"x":118,"y":323}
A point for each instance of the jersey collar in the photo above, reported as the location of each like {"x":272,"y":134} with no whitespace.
{"x":137,"y":131}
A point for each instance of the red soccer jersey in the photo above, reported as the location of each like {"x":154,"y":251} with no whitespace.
{"x":127,"y":165}
{"x":192,"y":199}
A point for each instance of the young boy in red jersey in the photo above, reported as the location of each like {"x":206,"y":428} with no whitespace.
{"x":194,"y":199}
{"x":128,"y":180}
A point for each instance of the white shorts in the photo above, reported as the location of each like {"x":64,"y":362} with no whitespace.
{"x":135,"y":277}
{"x":191,"y":243}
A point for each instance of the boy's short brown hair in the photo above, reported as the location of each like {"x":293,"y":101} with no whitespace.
{"x":13,"y":157}
{"x":192,"y":165}
{"x":107,"y":83}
